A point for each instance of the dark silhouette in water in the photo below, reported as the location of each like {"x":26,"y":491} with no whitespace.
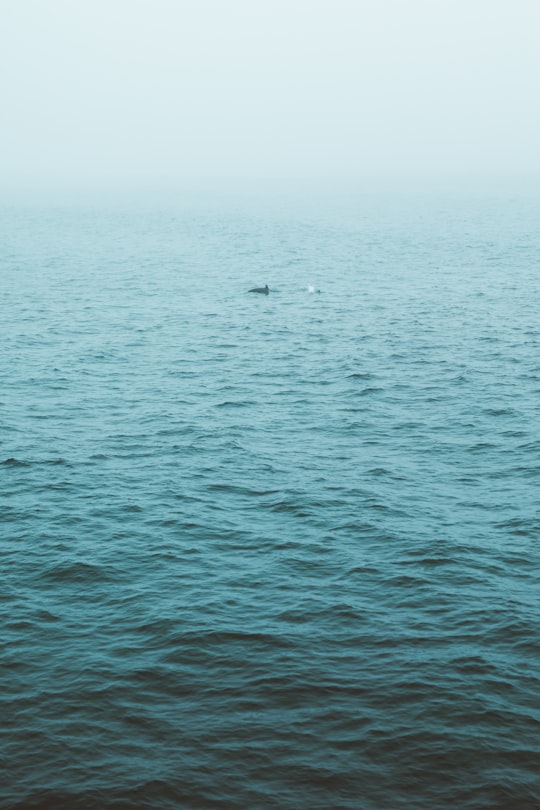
{"x":264,"y":290}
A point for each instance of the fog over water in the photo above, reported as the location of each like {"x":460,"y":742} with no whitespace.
{"x":251,"y":93}
{"x":269,"y":552}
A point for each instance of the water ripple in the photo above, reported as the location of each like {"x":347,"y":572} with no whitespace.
{"x":270,"y":552}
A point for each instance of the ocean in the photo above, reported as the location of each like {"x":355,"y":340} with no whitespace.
{"x":271,"y":552}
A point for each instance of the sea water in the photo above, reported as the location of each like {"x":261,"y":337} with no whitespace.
{"x":271,"y":551}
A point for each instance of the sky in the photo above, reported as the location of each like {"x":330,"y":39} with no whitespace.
{"x":238,"y":92}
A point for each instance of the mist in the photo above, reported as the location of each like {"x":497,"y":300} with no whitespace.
{"x":251,"y":94}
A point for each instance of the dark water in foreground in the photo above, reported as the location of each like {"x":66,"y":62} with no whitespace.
{"x":271,"y":552}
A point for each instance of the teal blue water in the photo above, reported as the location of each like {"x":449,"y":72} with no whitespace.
{"x":272,"y":551}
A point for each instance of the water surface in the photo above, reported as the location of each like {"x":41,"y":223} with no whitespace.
{"x":271,"y":551}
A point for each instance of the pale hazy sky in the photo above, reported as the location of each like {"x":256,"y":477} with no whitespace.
{"x":232,"y":91}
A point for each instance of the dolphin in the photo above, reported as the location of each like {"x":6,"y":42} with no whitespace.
{"x":264,"y":290}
